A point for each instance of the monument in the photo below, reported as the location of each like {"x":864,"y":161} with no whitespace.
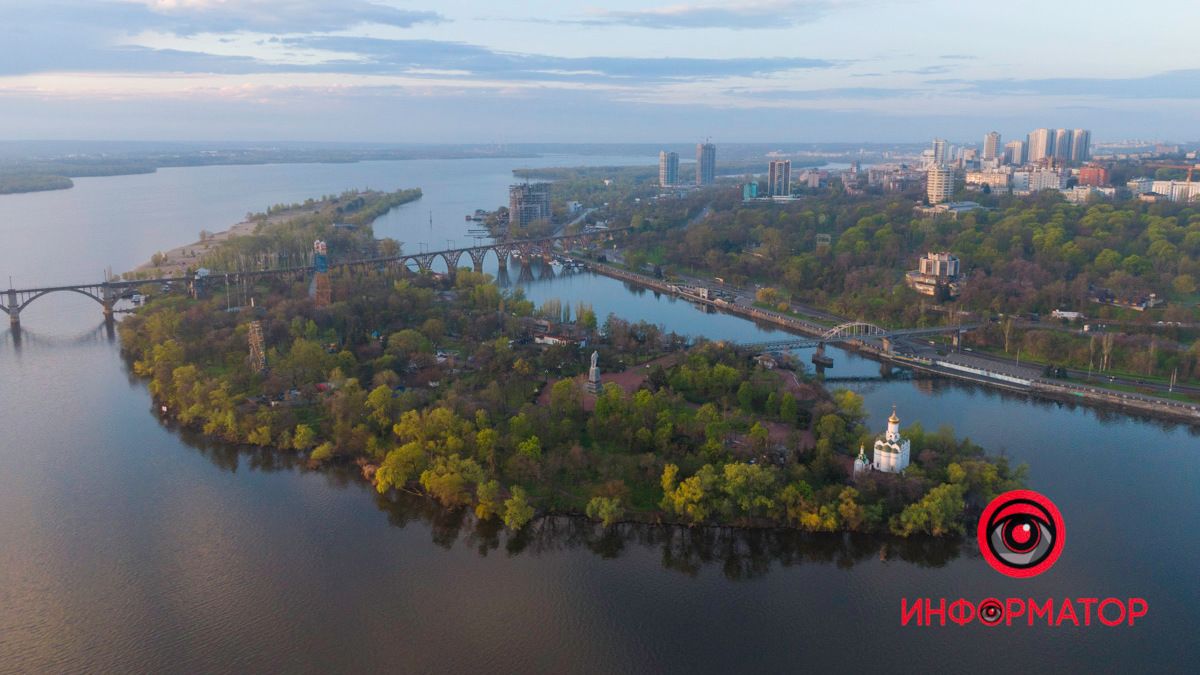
{"x":593,"y":381}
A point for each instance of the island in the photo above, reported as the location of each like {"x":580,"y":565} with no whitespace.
{"x":449,"y":386}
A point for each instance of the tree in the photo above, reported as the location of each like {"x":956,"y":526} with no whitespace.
{"x":487,"y":495}
{"x":380,"y":405}
{"x":322,"y":452}
{"x":851,"y":513}
{"x":607,"y":510}
{"x":485,"y":445}
{"x":938,"y":513}
{"x":450,"y":480}
{"x":759,"y":437}
{"x":531,"y":447}
{"x":745,"y":397}
{"x":789,"y":409}
{"x":304,"y":437}
{"x":693,"y":497}
{"x":399,"y":466}
{"x":750,"y":488}
{"x":517,"y":511}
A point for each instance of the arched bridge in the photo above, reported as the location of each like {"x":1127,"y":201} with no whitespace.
{"x":107,"y":293}
{"x":851,"y":331}
{"x":522,"y":249}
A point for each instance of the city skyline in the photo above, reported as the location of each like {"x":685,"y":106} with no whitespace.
{"x":748,"y":71}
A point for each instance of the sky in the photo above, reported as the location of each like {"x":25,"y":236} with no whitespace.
{"x":666,"y":71}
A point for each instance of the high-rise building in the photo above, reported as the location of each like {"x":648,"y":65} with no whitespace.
{"x":527,"y":203}
{"x":939,"y":151}
{"x":1039,"y":146}
{"x":1081,"y":140}
{"x":668,"y":168}
{"x":1062,"y":145}
{"x":991,"y":145}
{"x":939,"y":185}
{"x":779,"y":178}
{"x":1014,"y":153}
{"x":706,"y":164}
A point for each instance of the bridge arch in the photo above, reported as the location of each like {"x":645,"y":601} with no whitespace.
{"x":853,"y":329}
{"x":26,"y":302}
{"x":452,"y":258}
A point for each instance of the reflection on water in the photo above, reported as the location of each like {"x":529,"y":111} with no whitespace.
{"x":129,"y":547}
{"x":740,"y":553}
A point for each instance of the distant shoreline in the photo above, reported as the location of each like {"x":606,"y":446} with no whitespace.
{"x":27,"y":176}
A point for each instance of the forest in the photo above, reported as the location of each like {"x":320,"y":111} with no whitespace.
{"x":433,"y":385}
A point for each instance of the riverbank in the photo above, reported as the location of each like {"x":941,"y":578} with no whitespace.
{"x":346,"y":216}
{"x":1024,"y":383}
{"x":36,"y":174}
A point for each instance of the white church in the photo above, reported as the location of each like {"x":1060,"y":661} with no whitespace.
{"x":891,"y":452}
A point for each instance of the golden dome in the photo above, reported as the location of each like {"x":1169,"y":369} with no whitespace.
{"x":894,"y":419}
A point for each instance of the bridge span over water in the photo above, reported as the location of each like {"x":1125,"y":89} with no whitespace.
{"x":108,"y":293}
{"x":855,"y":331}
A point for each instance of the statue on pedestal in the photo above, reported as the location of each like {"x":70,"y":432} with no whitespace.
{"x":593,"y":381}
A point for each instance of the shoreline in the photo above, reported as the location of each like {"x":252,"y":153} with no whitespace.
{"x":658,"y":518}
{"x":1096,"y":397}
{"x":176,"y":261}
{"x":70,"y":176}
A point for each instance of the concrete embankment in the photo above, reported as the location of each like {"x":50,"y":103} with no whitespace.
{"x":1020,"y":379}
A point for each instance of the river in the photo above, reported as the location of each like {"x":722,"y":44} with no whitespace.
{"x":127,"y":546}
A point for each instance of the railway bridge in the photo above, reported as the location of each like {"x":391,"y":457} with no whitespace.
{"x":107,"y":293}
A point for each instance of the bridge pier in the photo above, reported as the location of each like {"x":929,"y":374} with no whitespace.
{"x":477,"y":256}
{"x":108,"y":301}
{"x":14,"y":308}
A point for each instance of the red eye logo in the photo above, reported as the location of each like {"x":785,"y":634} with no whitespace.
{"x":1021,"y":533}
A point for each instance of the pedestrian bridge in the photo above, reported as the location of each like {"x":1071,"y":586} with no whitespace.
{"x":850,"y":332}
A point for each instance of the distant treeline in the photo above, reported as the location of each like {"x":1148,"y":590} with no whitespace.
{"x":33,"y":174}
{"x":32,"y":182}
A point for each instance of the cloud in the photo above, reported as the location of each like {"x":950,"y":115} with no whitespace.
{"x":744,"y":14}
{"x":925,"y":70}
{"x":373,"y":55}
{"x":197,"y":16}
{"x":869,"y":93}
{"x":1173,"y":84}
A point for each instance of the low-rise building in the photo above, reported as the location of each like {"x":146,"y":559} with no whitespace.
{"x":1177,"y":190}
{"x":937,"y":274}
{"x":1140,"y":185}
{"x":953,"y":209}
{"x":1082,"y":194}
{"x":1093,"y":174}
{"x":996,"y":181}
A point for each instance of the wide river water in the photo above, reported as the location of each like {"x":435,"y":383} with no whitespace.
{"x":126,"y":546}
